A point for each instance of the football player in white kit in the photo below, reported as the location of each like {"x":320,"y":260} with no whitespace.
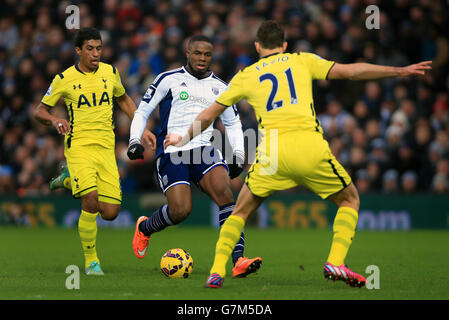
{"x":181,"y":95}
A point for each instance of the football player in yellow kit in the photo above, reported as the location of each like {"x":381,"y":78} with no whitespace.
{"x":88,"y":89}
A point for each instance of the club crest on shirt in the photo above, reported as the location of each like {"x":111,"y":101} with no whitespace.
{"x":215,"y":90}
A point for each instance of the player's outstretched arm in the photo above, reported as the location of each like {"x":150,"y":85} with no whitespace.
{"x":201,"y":122}
{"x":43,"y":115}
{"x":368,"y":71}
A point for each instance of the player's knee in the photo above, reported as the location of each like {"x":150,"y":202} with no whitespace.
{"x":348,"y":197}
{"x":89,"y":202}
{"x":180,"y":212}
{"x":224,"y":199}
{"x":109,"y":215}
{"x":109,"y":211}
{"x":352,"y":197}
{"x":222,"y":195}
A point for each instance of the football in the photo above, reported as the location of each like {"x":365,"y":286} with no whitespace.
{"x":176,"y":263}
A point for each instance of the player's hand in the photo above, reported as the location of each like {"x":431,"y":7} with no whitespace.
{"x":172,"y":139}
{"x":135,"y":150}
{"x":61,"y":125}
{"x":236,"y":167}
{"x":149,"y":139}
{"x":416,"y":69}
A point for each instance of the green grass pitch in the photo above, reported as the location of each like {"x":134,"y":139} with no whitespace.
{"x":412,"y":265}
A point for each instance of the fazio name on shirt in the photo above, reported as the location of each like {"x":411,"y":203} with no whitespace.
{"x":272,"y":61}
{"x":83,"y":100}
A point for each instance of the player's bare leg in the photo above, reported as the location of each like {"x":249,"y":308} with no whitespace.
{"x":108,"y":211}
{"x":345,"y":223}
{"x":89,"y":202}
{"x":179,"y":199}
{"x":348,"y":197}
{"x":246,"y":204}
{"x":217,"y":185}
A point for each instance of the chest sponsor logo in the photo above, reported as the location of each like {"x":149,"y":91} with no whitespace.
{"x":93,"y":100}
{"x":183,"y":95}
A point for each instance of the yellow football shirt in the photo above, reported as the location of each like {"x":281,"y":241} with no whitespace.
{"x":88,"y":97}
{"x":279,"y":88}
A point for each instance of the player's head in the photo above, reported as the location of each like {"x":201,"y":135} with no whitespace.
{"x":199,"y":54}
{"x":88,"y":46}
{"x":270,"y":36}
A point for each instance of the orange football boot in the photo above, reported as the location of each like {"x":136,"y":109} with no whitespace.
{"x":244,"y":266}
{"x":140,"y":241}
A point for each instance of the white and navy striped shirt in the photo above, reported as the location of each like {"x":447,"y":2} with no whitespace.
{"x":181,"y":97}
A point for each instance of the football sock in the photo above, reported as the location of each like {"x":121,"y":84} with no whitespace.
{"x":87,"y":229}
{"x":67,"y":183}
{"x":344,"y":229}
{"x":229,"y":236}
{"x":223,"y":213}
{"x":158,"y":221}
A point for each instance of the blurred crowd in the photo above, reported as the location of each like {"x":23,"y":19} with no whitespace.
{"x":391,"y":135}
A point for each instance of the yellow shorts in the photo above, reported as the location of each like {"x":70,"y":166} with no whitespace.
{"x":92,"y":168}
{"x":298,"y":158}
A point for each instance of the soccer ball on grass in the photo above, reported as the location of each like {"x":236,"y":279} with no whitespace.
{"x":176,"y":263}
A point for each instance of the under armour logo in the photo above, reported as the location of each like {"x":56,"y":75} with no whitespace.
{"x":74,"y":87}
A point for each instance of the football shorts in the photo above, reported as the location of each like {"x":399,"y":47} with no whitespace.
{"x":296,"y":158}
{"x":187,"y":166}
{"x":94,"y":167}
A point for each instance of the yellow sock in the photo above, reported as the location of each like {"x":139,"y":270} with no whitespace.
{"x":87,"y":229}
{"x":344,"y":229}
{"x":229,"y":236}
{"x":67,"y":183}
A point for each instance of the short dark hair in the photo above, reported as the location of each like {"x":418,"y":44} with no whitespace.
{"x":270,"y":35}
{"x":199,"y":37}
{"x":86,"y":34}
